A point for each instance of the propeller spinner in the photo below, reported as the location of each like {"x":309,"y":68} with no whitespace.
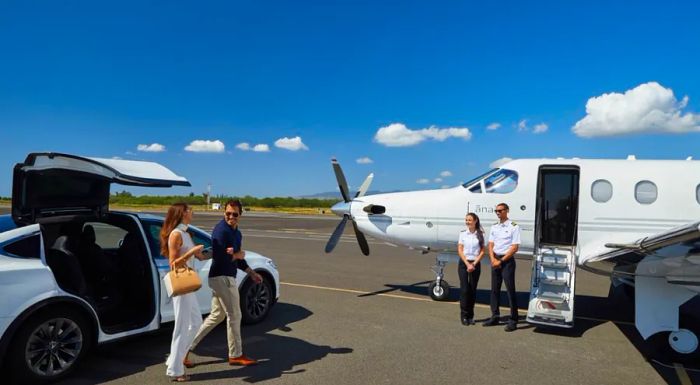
{"x":342,"y":209}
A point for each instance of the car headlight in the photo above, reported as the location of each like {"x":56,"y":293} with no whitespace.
{"x":271,"y":263}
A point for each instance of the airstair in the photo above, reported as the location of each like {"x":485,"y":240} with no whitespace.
{"x":552,"y":286}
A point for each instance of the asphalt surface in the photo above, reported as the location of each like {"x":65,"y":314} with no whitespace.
{"x":344,"y":318}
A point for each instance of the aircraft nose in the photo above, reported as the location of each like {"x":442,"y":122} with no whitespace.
{"x":341,"y":209}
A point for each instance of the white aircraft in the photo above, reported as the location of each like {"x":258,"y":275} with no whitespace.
{"x":635,"y":220}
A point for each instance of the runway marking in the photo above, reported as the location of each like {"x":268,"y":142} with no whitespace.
{"x":682,"y":374}
{"x":480,"y":305}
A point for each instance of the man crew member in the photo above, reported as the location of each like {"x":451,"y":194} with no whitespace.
{"x":504,"y":241}
{"x":225,"y":303}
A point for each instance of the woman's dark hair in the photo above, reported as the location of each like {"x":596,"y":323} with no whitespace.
{"x":172,"y":219}
{"x":479,"y":229}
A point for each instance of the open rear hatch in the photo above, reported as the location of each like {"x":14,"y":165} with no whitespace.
{"x":51,"y":184}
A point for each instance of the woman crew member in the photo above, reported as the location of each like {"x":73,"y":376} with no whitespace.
{"x":470,"y":249}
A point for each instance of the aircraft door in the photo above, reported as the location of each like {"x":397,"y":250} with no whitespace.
{"x":552,"y":286}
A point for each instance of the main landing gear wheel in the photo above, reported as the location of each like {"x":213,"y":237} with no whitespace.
{"x":681,"y":346}
{"x":439,"y":291}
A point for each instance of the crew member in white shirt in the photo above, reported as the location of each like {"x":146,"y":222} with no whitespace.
{"x":470,"y":249}
{"x":504,"y":241}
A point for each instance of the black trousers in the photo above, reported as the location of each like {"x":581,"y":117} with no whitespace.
{"x":505,"y":273}
{"x":467,"y":288}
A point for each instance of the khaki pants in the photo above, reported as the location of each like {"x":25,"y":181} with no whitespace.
{"x":225,"y":303}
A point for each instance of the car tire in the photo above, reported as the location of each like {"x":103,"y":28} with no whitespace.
{"x":49,"y":346}
{"x":256,"y":300}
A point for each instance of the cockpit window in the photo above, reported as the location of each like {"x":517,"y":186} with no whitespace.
{"x":476,"y":188}
{"x":502,"y":182}
{"x":478,"y":178}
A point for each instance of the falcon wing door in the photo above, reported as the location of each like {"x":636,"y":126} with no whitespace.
{"x":49,"y":184}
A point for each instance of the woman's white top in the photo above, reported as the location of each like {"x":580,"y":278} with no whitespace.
{"x":470,"y":242}
{"x":187,"y":242}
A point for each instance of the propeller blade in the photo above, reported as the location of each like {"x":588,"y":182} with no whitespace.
{"x":361,"y":240}
{"x":335,"y":237}
{"x":365,"y":185}
{"x":340,"y":177}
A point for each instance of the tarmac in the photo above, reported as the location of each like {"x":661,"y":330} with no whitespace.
{"x":345,"y":318}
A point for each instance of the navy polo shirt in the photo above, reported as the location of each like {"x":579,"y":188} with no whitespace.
{"x":224,"y":236}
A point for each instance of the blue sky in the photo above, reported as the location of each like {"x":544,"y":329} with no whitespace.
{"x":100,"y":79}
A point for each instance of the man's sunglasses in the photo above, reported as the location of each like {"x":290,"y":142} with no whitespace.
{"x":234,"y":214}
{"x":499,"y":210}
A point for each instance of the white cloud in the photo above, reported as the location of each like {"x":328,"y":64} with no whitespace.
{"x":155,"y":147}
{"x":540,"y":128}
{"x":206,"y":146}
{"x":364,"y":160}
{"x":262,"y":147}
{"x":423,"y":181}
{"x":398,"y":135}
{"x":437,"y":180}
{"x":243,"y":146}
{"x":500,"y":162}
{"x":647,"y":108}
{"x":493,"y":126}
{"x":291,"y":144}
{"x":445,"y":173}
{"x":522,"y":125}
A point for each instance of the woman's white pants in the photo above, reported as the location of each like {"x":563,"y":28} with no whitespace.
{"x":188,"y":319}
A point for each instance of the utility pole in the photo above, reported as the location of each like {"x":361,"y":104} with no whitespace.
{"x":208,"y":195}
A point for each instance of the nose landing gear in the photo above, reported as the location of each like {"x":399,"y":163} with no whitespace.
{"x":440,"y":289}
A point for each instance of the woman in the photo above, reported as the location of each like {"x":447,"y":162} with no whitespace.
{"x":177,"y":244}
{"x":470,"y":249}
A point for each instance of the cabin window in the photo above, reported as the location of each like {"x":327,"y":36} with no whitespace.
{"x":502,"y":182}
{"x":645,"y":192}
{"x":601,"y":191}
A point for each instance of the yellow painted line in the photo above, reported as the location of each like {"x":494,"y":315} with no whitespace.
{"x":484,"y":306}
{"x":682,"y":374}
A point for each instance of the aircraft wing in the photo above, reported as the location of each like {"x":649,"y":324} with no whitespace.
{"x":673,"y":254}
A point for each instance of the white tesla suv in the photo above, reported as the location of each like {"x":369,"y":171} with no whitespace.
{"x":74,"y":274}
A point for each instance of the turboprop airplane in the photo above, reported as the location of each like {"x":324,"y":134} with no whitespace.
{"x":637,"y":221}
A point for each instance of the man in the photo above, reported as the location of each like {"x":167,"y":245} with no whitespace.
{"x":227,"y":257}
{"x":504,"y":241}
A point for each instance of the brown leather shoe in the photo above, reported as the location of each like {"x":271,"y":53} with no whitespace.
{"x":241,"y":360}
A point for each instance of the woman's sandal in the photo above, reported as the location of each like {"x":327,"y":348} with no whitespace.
{"x":183,"y":378}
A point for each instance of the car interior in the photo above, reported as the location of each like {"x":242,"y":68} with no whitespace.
{"x":105,"y":262}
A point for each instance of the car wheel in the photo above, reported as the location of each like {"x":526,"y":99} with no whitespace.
{"x":439,"y":292}
{"x":256,"y":300}
{"x":49,"y":346}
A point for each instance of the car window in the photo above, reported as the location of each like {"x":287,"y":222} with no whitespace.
{"x":200,"y":238}
{"x":107,"y":236}
{"x":27,"y":247}
{"x":502,"y":182}
{"x":153,"y":234}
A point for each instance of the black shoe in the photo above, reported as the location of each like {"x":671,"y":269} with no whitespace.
{"x":493,"y":321}
{"x":465,"y":321}
{"x":511,"y":326}
{"x":470,"y":321}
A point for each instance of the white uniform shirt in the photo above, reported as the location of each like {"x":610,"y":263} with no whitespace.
{"x":470,"y":242}
{"x":503,"y":235}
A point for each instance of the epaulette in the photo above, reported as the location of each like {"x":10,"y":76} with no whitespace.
{"x":513,"y":223}
{"x":463,"y":230}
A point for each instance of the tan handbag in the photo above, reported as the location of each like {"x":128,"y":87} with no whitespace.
{"x":182,"y":280}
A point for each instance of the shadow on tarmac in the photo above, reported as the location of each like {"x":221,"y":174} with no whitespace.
{"x":591,"y":311}
{"x":278,"y":354}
